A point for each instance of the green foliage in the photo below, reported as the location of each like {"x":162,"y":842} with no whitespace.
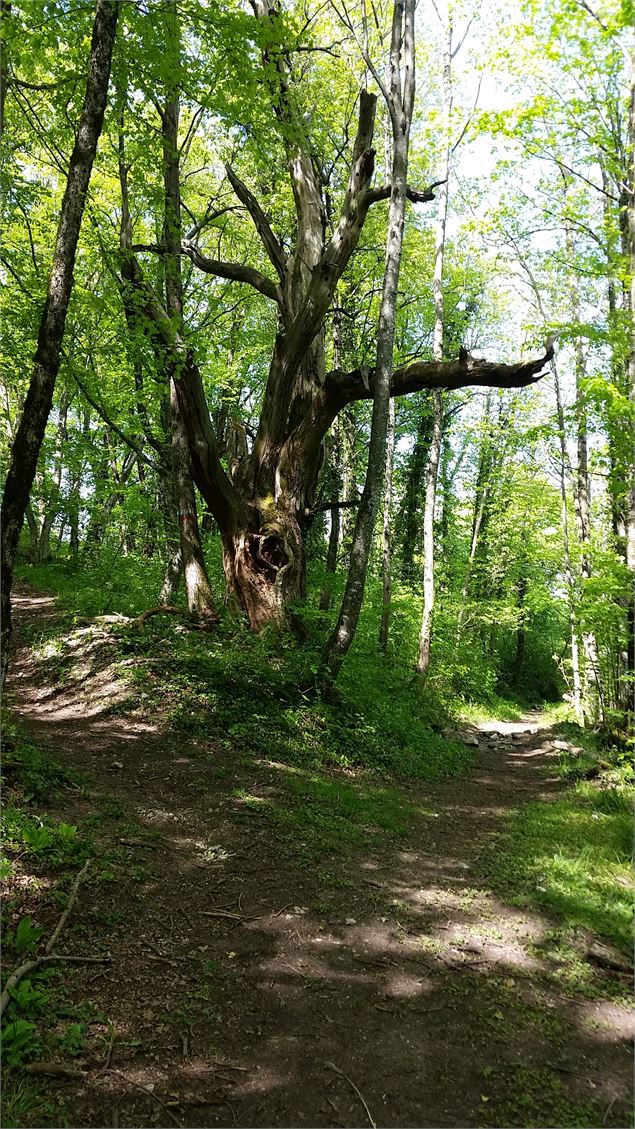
{"x":240,"y":689}
{"x":56,"y":842}
{"x":18,"y":1041}
{"x":518,"y":1095}
{"x":102,"y":583}
{"x":39,"y":775}
{"x":26,"y":936}
{"x":321,"y":815}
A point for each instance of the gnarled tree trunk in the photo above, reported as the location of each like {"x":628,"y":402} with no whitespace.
{"x":263,"y":501}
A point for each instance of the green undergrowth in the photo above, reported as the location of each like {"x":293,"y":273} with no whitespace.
{"x":519,"y":1095}
{"x":102,"y":584}
{"x":232,"y":688}
{"x":42,"y":855}
{"x":574,"y":853}
{"x":317,"y":816}
{"x":238,"y":690}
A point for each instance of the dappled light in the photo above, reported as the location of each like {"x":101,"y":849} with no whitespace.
{"x":317,"y":633}
{"x":258,"y":946}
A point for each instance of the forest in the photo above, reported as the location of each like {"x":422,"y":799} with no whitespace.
{"x":318,"y":562}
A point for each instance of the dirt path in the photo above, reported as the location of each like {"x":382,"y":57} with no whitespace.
{"x":243,"y":994}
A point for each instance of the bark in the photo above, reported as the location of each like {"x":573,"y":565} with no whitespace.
{"x":386,"y":555}
{"x":334,"y":480}
{"x":30,"y":433}
{"x":594,"y":705}
{"x":408,"y":518}
{"x":571,"y":588}
{"x":425,"y":634}
{"x":521,"y":631}
{"x":200,"y":601}
{"x":480,"y":516}
{"x":400,"y":104}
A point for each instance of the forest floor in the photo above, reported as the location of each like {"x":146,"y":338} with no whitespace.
{"x":287,"y":951}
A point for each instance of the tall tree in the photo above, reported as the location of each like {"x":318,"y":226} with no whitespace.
{"x":425,"y":633}
{"x":197,"y":586}
{"x":264,"y":506}
{"x":30,"y":432}
{"x":400,"y":101}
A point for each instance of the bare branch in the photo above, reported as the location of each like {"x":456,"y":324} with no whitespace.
{"x":415,"y":195}
{"x":271,"y":244}
{"x":235,"y":272}
{"x":462,"y":373}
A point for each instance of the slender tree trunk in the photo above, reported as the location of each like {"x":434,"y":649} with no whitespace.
{"x":481,"y":508}
{"x":30,"y":433}
{"x":386,"y":559}
{"x":594,"y":694}
{"x":408,"y":515}
{"x":200,"y":601}
{"x":401,"y":99}
{"x":425,"y":634}
{"x":521,"y":630}
{"x":628,"y":226}
{"x":168,"y":508}
{"x":334,"y":479}
{"x":570,"y":581}
{"x":336,"y":484}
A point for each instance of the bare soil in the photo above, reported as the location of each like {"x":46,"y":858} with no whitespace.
{"x":245,"y":990}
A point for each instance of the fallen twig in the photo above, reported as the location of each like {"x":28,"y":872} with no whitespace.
{"x":49,"y":955}
{"x":69,"y":905}
{"x":147,"y":1092}
{"x":226,"y":913}
{"x":162,"y":960}
{"x":332,"y":1066}
{"x":608,"y":1110}
{"x":55,"y":1069}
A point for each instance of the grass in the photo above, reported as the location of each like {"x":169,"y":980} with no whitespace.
{"x":97,"y":585}
{"x":323,"y":815}
{"x":518,"y":1095}
{"x":234,"y":690}
{"x":42,"y":855}
{"x":574,"y":854}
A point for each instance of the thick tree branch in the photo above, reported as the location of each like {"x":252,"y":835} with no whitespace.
{"x":235,"y":272}
{"x":374,"y":195}
{"x":207,"y":470}
{"x":271,"y":244}
{"x":461,"y":373}
{"x":292,"y":346}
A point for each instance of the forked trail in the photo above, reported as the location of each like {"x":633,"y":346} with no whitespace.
{"x":390,"y":986}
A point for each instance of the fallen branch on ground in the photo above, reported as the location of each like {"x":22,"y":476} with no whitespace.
{"x":167,"y":609}
{"x":332,"y":1066}
{"x":55,"y":1069}
{"x":49,"y":956}
{"x":146,"y":1091}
